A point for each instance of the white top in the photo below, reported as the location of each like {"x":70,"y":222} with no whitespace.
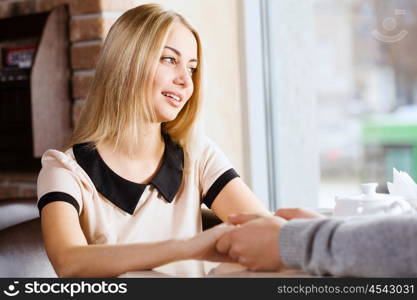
{"x":113,"y":210}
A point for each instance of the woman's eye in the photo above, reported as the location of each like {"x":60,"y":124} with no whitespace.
{"x":192,"y":70}
{"x":168,"y":59}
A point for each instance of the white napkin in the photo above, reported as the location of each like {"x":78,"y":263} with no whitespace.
{"x":403,"y":185}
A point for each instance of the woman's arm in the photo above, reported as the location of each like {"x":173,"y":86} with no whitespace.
{"x":236,"y":197}
{"x":71,"y":256}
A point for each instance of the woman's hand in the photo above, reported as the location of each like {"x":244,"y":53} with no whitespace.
{"x":297,"y":213}
{"x":203,"y":245}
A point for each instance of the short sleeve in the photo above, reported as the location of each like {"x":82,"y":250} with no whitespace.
{"x":57,"y":182}
{"x":216,"y":172}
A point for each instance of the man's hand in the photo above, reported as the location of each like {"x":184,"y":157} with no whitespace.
{"x":254,"y":243}
{"x":297,"y":213}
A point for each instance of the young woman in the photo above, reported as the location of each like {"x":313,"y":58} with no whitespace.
{"x":126,"y":195}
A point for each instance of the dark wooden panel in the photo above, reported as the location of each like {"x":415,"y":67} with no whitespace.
{"x":24,"y":26}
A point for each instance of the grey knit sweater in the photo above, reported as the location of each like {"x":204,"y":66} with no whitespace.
{"x":383,"y":246}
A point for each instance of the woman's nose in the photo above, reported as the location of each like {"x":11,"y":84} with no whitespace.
{"x":183,"y":77}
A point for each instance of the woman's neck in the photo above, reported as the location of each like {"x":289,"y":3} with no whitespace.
{"x":150,"y":144}
{"x":135,"y":162}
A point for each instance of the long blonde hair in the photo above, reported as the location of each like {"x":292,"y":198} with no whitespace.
{"x":118,"y":103}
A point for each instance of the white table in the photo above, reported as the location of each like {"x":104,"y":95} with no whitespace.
{"x":194,"y":268}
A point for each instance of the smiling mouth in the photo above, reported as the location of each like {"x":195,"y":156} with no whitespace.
{"x":172,"y":96}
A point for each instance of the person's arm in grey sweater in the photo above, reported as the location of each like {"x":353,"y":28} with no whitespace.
{"x":384,"y":246}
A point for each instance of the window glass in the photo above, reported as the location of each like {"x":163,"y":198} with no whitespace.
{"x":366,"y":92}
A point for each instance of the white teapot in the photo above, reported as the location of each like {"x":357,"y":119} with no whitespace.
{"x":370,"y":203}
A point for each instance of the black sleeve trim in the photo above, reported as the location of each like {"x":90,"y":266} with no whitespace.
{"x":218,"y":185}
{"x":57,"y":196}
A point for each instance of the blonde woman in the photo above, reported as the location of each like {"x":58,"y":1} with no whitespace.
{"x":126,"y":195}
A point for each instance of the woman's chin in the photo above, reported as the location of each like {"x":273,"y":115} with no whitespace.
{"x":166,"y":118}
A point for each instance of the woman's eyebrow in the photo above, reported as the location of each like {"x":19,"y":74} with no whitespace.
{"x":179,"y":53}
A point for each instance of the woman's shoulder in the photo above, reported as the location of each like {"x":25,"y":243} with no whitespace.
{"x":53,"y":157}
{"x":203,"y":142}
{"x":62,"y":164}
{"x":208,"y":145}
{"x":198,"y":147}
{"x":208,"y":150}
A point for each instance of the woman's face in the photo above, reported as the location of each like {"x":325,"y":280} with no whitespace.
{"x":173,"y":84}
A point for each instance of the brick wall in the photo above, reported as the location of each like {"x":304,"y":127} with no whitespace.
{"x":89,"y":23}
{"x":90,"y":20}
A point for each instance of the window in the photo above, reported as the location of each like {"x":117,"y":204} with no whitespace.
{"x":285,"y":108}
{"x":331,"y":96}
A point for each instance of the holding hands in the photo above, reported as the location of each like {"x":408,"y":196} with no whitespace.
{"x":203,"y":245}
{"x":254,"y":241}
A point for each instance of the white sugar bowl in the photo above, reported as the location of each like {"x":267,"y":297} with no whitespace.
{"x":370,"y":203}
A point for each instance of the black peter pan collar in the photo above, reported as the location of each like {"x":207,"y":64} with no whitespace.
{"x":126,"y":194}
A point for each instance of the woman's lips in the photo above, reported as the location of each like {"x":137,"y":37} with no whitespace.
{"x":172,"y":102}
{"x":174,"y":95}
{"x":172,"y":98}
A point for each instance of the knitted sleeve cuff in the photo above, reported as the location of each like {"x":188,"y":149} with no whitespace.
{"x":292,"y":244}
